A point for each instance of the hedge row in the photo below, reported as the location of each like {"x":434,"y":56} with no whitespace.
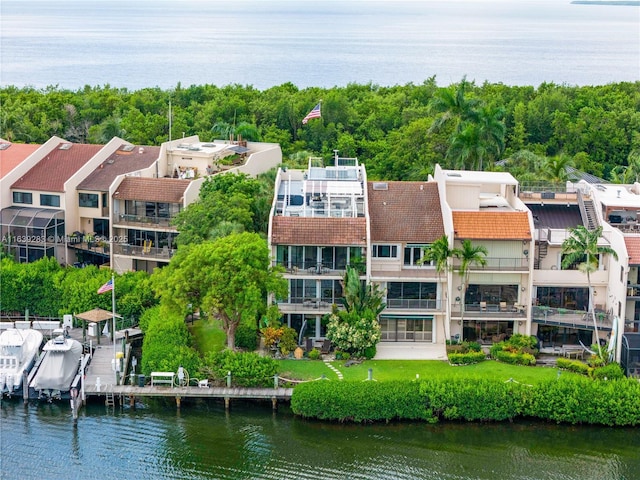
{"x":466,"y":358}
{"x":366,"y":401}
{"x":574,"y":400}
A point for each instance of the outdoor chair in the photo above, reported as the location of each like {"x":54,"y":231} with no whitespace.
{"x":326,"y":347}
{"x":483,"y":306}
{"x":503,"y":306}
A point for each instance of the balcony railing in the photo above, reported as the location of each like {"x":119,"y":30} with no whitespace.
{"x":141,"y":251}
{"x":510,"y":310}
{"x":316,"y":268}
{"x":142,"y":220}
{"x":308,"y":303}
{"x":494,"y":263}
{"x":570,"y":318}
{"x":414,"y":304}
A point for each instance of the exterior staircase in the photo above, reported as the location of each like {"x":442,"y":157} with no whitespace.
{"x":542,"y":250}
{"x":588,"y":212}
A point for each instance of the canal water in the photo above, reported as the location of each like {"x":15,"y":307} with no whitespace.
{"x":202,"y":441}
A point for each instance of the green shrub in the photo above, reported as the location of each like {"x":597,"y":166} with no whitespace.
{"x":370,"y":352}
{"x":575,"y":366}
{"x":518,"y":350}
{"x":248,"y":369}
{"x":288,"y":342}
{"x":466,"y":358}
{"x":514,"y":358}
{"x":246,"y":337}
{"x":613,"y":371}
{"x":568,"y":399}
{"x":359,"y":401}
{"x":581,"y":400}
{"x":342,"y":355}
{"x":167,"y":343}
{"x":472,"y":399}
{"x":314,"y":354}
{"x":473,"y":346}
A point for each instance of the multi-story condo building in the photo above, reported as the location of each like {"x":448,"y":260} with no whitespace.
{"x":111,"y":204}
{"x":317,"y":227}
{"x":488,"y":301}
{"x":405,"y":217}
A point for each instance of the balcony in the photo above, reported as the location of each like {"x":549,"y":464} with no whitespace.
{"x":494,"y":263}
{"x":413,"y":304}
{"x":162,"y":253}
{"x":143,"y":221}
{"x":314,"y":268}
{"x":494,"y":311}
{"x":563,"y":317}
{"x":307,"y":305}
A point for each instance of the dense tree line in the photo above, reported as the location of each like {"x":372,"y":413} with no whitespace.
{"x":47,"y":289}
{"x":399,"y":131}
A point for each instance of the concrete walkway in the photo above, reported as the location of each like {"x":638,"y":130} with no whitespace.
{"x":410,"y":351}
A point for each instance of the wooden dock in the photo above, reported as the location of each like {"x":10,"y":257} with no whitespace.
{"x":100,"y":381}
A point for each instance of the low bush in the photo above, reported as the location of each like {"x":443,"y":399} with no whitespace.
{"x":575,"y":366}
{"x":314,"y":354}
{"x":246,"y":337}
{"x":472,"y":399}
{"x":567,"y":399}
{"x":612,"y":371}
{"x":248,"y":369}
{"x":517,"y":350}
{"x":167,"y":343}
{"x":578,"y":400}
{"x":359,"y":401}
{"x":342,"y":355}
{"x":466,"y":358}
{"x":370,"y":352}
{"x":514,"y":358}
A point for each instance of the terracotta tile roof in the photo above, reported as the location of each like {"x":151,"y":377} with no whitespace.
{"x":633,"y":249}
{"x":56,"y":168}
{"x":118,"y":163}
{"x":169,"y":190}
{"x":318,"y":231}
{"x":14,"y":155}
{"x":405,"y":212}
{"x":491,"y":225}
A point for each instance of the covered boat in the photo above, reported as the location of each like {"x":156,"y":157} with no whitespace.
{"x":57,"y":369}
{"x":18,"y":351}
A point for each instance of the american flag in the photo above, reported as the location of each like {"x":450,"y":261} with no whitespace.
{"x":106,"y":287}
{"x":314,"y":113}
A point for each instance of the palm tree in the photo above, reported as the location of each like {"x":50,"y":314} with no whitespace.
{"x":582,"y":246}
{"x":453,"y":105}
{"x":491,"y":131}
{"x":469,"y":255}
{"x":554,"y":169}
{"x":439,"y":253}
{"x":358,"y":296}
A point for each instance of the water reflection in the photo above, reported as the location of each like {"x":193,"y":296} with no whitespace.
{"x":203,"y":441}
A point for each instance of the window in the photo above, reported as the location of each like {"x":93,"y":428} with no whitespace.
{"x":413,"y":254}
{"x":385,"y":251}
{"x":88,"y":200}
{"x":22,"y":197}
{"x":49,"y":200}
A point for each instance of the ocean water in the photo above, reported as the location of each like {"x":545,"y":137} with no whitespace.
{"x":137,"y":44}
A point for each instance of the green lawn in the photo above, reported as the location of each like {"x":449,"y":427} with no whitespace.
{"x":208,"y":336}
{"x":407,"y":369}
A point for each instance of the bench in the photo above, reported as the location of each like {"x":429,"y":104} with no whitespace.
{"x":162,"y":378}
{"x":573,"y":351}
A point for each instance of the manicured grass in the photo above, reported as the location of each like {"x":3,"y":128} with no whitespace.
{"x":384,"y":370}
{"x":208,"y":336}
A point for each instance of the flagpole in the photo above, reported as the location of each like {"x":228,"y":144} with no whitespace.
{"x":113,"y":317}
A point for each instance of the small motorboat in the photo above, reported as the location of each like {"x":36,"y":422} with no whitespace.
{"x":19,"y":350}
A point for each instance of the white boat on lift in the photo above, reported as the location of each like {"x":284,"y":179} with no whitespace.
{"x":18,"y":351}
{"x":58,"y":368}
